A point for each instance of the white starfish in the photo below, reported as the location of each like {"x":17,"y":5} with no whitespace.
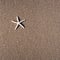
{"x":19,"y":22}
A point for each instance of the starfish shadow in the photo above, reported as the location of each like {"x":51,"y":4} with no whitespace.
{"x":19,"y":18}
{"x":23,"y":24}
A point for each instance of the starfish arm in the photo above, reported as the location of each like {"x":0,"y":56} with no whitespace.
{"x":13,"y":21}
{"x":22,"y":21}
{"x":21,"y":26}
{"x":17,"y":18}
{"x":16,"y":26}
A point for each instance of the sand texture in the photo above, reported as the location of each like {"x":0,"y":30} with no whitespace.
{"x":40,"y":40}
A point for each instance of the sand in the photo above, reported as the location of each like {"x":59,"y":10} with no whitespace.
{"x":40,"y":40}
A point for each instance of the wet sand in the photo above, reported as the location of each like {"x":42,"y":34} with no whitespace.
{"x":40,"y":40}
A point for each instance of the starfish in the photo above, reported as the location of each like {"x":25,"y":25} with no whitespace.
{"x":19,"y":22}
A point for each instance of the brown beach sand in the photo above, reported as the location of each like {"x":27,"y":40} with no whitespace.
{"x":40,"y":40}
